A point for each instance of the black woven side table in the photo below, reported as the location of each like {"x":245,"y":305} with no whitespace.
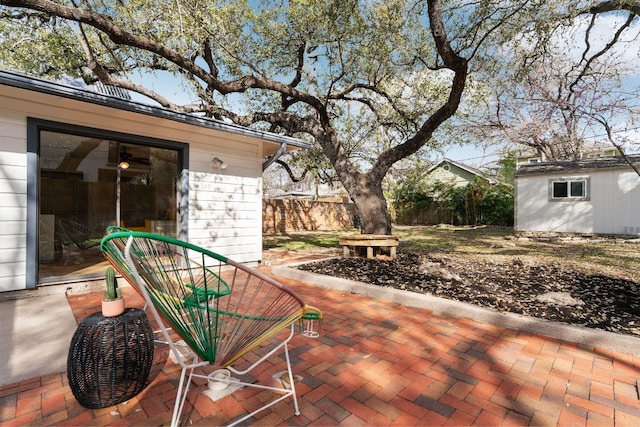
{"x":110,"y":358}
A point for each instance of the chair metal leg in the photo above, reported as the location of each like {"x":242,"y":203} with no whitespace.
{"x":286,"y":391}
{"x":181,"y":396}
{"x":185,"y":381}
{"x":291,"y":380}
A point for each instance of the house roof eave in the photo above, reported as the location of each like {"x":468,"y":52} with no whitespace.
{"x":577,"y":166}
{"x":23,"y":81}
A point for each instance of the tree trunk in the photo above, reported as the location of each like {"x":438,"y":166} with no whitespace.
{"x":372,"y":208}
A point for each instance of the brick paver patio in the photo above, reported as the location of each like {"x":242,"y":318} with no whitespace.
{"x":377,"y":364}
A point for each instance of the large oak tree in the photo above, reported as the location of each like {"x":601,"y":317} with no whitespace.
{"x":341,"y":73}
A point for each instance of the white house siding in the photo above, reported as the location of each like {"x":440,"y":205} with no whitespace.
{"x":13,"y":211}
{"x":613,"y":206}
{"x":617,"y":210}
{"x":224,"y":206}
{"x":225,"y":210}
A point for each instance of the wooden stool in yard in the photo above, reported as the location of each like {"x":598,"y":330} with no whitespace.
{"x":374,"y":244}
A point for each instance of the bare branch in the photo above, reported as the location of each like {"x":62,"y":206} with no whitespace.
{"x":286,"y":101}
{"x":613,"y":142}
{"x":604,"y":50}
{"x":208,"y":58}
{"x":287,"y":168}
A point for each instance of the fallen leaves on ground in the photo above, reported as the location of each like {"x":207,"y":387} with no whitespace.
{"x":551,"y":292}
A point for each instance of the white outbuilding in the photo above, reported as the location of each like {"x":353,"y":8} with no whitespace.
{"x":590,"y":196}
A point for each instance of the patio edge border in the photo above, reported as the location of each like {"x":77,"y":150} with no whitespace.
{"x":441,"y":306}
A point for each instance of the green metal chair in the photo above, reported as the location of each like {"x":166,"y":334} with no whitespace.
{"x":221,"y":309}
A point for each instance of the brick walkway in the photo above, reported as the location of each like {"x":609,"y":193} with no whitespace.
{"x":377,"y":363}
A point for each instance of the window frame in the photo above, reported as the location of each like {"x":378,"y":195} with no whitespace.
{"x":569,"y":181}
{"x":35,"y":126}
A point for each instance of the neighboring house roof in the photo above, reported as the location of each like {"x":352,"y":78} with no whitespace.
{"x":591,"y":150}
{"x":24,"y":81}
{"x":469,"y":169}
{"x":578,"y":166}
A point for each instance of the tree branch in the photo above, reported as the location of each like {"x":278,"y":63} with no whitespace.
{"x":119,"y":36}
{"x":604,"y":50}
{"x":287,"y":101}
{"x":287,"y":168}
{"x":452,"y":61}
{"x":613,"y":142}
{"x":614,"y":5}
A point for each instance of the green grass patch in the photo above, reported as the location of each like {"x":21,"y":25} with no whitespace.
{"x":604,"y":253}
{"x":302,"y":241}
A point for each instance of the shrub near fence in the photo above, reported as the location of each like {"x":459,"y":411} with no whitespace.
{"x":422,"y":212}
{"x":288,"y":215}
{"x":476,"y":203}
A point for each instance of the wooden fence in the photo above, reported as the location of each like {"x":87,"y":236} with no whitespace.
{"x":287,"y":215}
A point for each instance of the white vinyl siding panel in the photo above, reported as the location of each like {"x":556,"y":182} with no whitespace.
{"x":13,"y":210}
{"x":225,"y":217}
{"x":617,"y":207}
{"x":612,"y":207}
{"x":225,"y":207}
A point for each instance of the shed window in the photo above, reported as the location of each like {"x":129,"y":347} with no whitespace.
{"x":569,"y":189}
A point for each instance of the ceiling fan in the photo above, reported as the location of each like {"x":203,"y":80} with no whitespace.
{"x":127,"y":157}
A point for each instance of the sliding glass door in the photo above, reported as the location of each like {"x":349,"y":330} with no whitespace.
{"x":87,"y":183}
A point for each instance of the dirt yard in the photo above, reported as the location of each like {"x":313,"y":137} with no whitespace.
{"x":587,"y":281}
